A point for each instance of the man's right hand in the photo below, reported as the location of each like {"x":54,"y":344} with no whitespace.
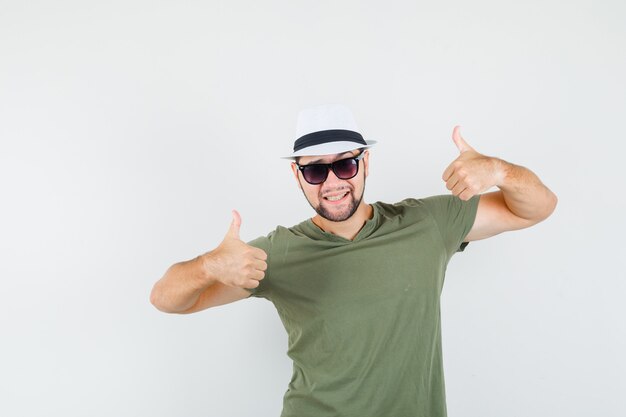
{"x":234,"y":262}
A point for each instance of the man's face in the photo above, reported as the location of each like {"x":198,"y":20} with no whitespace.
{"x":334,"y":199}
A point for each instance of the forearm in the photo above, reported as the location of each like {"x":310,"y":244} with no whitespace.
{"x":524,"y":193}
{"x":181,"y":286}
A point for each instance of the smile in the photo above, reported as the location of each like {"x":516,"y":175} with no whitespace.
{"x":337,"y":198}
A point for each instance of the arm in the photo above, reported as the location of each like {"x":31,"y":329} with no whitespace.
{"x":215,"y":278}
{"x":523,"y":200}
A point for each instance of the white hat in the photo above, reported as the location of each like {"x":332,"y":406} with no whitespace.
{"x":326,"y":130}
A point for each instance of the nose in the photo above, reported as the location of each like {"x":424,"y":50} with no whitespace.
{"x":332,"y":178}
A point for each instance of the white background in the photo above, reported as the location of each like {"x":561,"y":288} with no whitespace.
{"x":130,"y":129}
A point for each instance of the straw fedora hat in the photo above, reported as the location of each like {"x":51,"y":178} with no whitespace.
{"x":325,"y":130}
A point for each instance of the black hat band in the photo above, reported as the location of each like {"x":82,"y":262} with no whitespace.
{"x":325,"y":136}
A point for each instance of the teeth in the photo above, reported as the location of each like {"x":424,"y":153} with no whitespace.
{"x":337,"y":197}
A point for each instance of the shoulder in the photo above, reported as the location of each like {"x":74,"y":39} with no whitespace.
{"x":448,"y":203}
{"x":406,"y":207}
{"x":438,"y":207}
{"x":280,"y":236}
{"x":400,"y":214}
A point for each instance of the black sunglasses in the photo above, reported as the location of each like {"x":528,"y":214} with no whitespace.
{"x":344,"y":169}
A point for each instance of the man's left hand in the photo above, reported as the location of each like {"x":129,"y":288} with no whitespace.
{"x":471,"y":173}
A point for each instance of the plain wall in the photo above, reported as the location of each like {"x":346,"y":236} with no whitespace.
{"x":130,"y":129}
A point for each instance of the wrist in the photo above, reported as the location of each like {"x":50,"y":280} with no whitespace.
{"x":208,"y":268}
{"x":502,"y":171}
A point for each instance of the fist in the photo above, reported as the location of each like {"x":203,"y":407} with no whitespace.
{"x":236,"y":263}
{"x":470,"y":173}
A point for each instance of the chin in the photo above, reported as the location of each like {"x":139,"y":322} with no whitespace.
{"x":337,"y":214}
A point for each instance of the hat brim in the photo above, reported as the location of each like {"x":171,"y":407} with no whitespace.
{"x":330,"y":148}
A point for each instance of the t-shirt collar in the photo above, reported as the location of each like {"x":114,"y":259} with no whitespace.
{"x":367,"y":229}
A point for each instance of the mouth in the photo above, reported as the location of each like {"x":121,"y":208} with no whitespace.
{"x":337,"y":198}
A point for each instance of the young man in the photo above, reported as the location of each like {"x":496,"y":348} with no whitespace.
{"x":358,"y":285}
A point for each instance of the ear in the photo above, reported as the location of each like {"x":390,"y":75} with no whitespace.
{"x":295,"y":170}
{"x":366,"y":162}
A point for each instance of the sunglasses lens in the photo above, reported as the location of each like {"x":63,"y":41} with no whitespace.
{"x":346,"y":168}
{"x":315,"y":174}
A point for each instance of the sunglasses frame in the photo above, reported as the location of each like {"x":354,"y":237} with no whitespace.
{"x":331,"y":166}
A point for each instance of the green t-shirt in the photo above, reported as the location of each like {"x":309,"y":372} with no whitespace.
{"x":363,"y":315}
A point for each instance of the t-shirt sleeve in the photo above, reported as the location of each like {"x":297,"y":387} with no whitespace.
{"x":454,"y":218}
{"x":264,"y":243}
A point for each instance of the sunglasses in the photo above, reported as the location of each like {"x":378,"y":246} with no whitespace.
{"x":344,"y":169}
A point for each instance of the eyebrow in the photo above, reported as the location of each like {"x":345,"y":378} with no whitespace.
{"x":316,"y":161}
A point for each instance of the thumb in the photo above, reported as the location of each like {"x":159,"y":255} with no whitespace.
{"x":233,"y":231}
{"x":459,"y":141}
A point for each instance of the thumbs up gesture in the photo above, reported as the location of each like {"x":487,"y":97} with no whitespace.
{"x":470,"y":173}
{"x":236,"y":263}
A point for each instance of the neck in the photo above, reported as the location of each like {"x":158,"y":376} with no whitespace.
{"x":348,"y":229}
